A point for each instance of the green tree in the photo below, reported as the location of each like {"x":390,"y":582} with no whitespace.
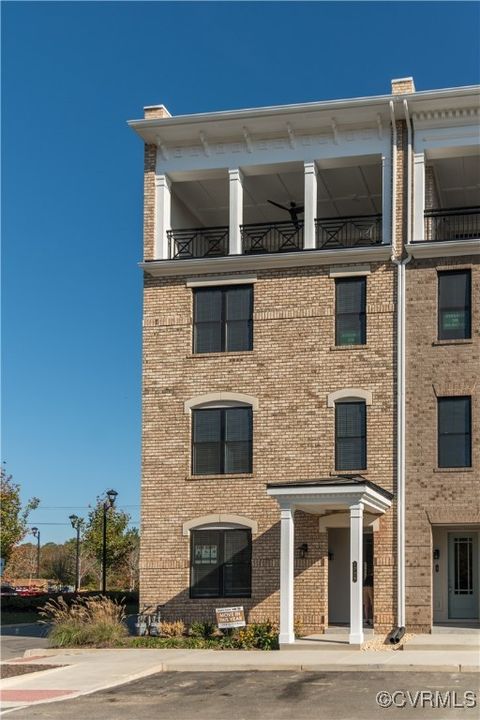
{"x":119,"y":537}
{"x":13,"y":517}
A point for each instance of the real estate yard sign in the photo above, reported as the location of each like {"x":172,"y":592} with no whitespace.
{"x":230,"y":617}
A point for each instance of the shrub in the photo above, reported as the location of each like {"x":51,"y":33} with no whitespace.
{"x":172,"y":629}
{"x":203,"y":629}
{"x":259,"y":635}
{"x":95,"y":620}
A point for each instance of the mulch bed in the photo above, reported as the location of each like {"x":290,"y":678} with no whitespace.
{"x":7,"y":670}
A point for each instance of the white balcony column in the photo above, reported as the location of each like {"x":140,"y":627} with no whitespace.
{"x":310,"y":205}
{"x":236,"y":211}
{"x":163,"y":206}
{"x":356,"y":574}
{"x":287,"y":635}
{"x":418,"y":196}
{"x":386,"y":200}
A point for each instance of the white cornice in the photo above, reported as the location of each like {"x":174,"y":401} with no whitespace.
{"x":444,"y":248}
{"x":234,"y":263}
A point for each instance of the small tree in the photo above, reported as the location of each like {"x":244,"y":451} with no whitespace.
{"x":119,"y":540}
{"x":13,"y":517}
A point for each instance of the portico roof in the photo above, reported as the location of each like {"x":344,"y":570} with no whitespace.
{"x":335,"y":491}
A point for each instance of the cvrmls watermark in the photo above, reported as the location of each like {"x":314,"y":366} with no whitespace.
{"x":427,"y":699}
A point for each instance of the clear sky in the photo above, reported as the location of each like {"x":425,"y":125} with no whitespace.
{"x":73,"y":73}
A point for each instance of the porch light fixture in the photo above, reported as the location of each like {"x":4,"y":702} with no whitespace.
{"x":303,"y":550}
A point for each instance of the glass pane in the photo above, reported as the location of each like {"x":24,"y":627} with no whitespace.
{"x":238,"y":457}
{"x":350,"y":419}
{"x":238,"y":335}
{"x":237,"y":423}
{"x":207,"y":459}
{"x":454,"y":415}
{"x":206,"y":563}
{"x":207,"y":425}
{"x":463,"y":571}
{"x":208,"y":305}
{"x":208,"y":337}
{"x":454,"y":305}
{"x":350,"y":295}
{"x":237,"y":569}
{"x":350,"y":454}
{"x":350,"y":329}
{"x":454,"y":451}
{"x":238,"y":303}
{"x":454,"y":288}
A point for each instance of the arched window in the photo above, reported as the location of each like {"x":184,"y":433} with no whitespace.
{"x":222,"y":433}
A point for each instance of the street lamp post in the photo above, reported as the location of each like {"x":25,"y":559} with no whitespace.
{"x":36,"y":534}
{"x":77,"y":523}
{"x":108,"y":503}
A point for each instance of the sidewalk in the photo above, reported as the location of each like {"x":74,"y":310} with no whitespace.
{"x":88,"y":671}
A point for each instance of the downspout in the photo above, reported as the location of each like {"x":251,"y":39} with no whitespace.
{"x":401,"y":377}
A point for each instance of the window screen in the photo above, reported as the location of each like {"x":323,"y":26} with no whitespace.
{"x":222,"y":441}
{"x":454,"y":305}
{"x":350,"y":311}
{"x":350,"y":436}
{"x":221,"y":563}
{"x":454,"y":432}
{"x":223,"y":319}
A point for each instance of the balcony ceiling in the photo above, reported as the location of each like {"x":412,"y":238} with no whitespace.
{"x":457,"y":181}
{"x":342,"y":191}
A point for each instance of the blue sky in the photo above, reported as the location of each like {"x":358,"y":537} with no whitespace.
{"x":73,"y":73}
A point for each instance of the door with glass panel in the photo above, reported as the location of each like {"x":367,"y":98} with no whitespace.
{"x":462,"y":576}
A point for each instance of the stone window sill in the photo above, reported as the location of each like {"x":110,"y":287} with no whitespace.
{"x":206,"y":356}
{"x":226,"y":476}
{"x":466,"y":341}
{"x":334,"y":473}
{"x":348,"y":347}
{"x":453,"y":470}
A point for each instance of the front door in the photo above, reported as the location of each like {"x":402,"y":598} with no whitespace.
{"x":462,"y":576}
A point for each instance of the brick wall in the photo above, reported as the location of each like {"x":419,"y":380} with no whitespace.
{"x":438,"y":496}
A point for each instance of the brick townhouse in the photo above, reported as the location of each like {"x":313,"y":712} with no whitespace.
{"x":310,"y":355}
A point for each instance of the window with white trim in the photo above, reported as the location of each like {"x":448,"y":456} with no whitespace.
{"x":221,"y":563}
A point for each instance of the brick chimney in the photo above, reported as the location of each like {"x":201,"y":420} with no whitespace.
{"x":153,"y":112}
{"x":403,"y":86}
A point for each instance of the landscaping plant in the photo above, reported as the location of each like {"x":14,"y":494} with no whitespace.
{"x":96,"y":621}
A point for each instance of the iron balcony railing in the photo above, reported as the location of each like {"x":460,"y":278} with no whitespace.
{"x":348,"y":232}
{"x":272,"y":237}
{"x":454,"y":224}
{"x":198,"y":242}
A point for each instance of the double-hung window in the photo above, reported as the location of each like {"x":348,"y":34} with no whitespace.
{"x":454,"y":432}
{"x":222,"y":440}
{"x":223,"y":319}
{"x":221,"y":563}
{"x":454,"y":305}
{"x":350,"y":436}
{"x":350,"y":311}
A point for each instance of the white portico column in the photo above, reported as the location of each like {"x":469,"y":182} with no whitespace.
{"x":287,"y":634}
{"x":310,"y":205}
{"x":163,"y":204}
{"x":236,"y":211}
{"x":418,"y":196}
{"x":356,"y":574}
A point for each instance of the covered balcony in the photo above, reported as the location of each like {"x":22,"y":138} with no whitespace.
{"x":451,"y":199}
{"x":290,"y":207}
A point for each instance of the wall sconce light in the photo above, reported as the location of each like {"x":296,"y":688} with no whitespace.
{"x":436,"y":554}
{"x":330,"y":555}
{"x":303,"y":550}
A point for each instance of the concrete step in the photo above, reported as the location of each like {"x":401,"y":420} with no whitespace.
{"x":333,"y":639}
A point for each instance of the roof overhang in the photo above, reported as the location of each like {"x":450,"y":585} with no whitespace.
{"x":441,"y":248}
{"x":314,"y":497}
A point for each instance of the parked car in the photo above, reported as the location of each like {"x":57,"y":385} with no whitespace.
{"x":7,"y":589}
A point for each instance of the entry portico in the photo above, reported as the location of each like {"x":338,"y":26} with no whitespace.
{"x":352,"y":493}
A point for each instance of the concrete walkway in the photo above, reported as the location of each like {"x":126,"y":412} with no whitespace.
{"x":87,"y":671}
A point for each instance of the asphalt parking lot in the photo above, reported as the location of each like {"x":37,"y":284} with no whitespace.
{"x":268,"y":696}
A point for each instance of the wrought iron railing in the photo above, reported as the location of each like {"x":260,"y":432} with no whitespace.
{"x":198,"y":242}
{"x":454,"y":224}
{"x":272,"y":237}
{"x":354,"y":231}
